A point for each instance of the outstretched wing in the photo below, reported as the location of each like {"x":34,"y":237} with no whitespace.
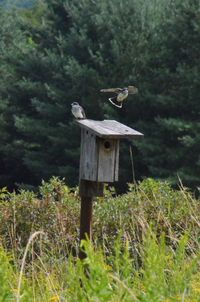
{"x":132,"y":90}
{"x":115,"y":90}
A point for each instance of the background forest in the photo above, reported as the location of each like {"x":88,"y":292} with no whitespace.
{"x":59,"y":51}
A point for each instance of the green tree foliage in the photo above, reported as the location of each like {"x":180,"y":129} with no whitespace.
{"x":17,"y":3}
{"x":170,"y":96}
{"x":12,"y":46}
{"x":65,"y":51}
{"x":64,"y":61}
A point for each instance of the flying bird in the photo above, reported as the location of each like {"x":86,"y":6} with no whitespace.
{"x":78,"y":111}
{"x":122,"y":94}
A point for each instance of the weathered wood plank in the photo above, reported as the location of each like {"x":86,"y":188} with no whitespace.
{"x":107,"y":161}
{"x":88,"y":158}
{"x":121,"y":128}
{"x":96,"y":127}
{"x":116,"y":169}
{"x":99,"y":158}
{"x":109,"y":129}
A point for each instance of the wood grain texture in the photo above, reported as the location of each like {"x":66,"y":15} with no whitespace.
{"x":116,"y":163}
{"x":108,"y":163}
{"x":89,"y":156}
{"x":109,"y":129}
{"x":99,"y":160}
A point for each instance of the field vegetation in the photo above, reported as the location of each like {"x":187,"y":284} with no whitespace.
{"x":145,"y":245}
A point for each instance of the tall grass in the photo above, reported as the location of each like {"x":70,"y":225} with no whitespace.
{"x":145,"y":246}
{"x":165,"y":275}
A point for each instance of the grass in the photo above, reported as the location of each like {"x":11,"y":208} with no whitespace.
{"x":145,"y":246}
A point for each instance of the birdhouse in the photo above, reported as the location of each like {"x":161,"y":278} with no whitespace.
{"x":99,"y":159}
{"x":99,"y":163}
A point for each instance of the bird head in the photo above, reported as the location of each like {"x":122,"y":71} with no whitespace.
{"x":75,"y":104}
{"x":132,"y":90}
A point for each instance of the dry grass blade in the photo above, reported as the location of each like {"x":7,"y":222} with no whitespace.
{"x":31,"y":238}
{"x":125,"y":287}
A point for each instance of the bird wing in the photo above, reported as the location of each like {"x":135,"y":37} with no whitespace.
{"x":115,"y":90}
{"x":83,"y":112}
{"x":132,"y":90}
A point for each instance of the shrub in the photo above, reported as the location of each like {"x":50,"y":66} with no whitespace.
{"x":56,"y":209}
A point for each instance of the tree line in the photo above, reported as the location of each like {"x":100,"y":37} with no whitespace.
{"x":62,"y":51}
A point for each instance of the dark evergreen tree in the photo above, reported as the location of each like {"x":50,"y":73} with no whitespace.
{"x":68,"y":56}
{"x":169,"y":95}
{"x":12,"y":39}
{"x":65,"y":51}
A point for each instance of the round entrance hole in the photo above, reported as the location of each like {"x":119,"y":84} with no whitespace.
{"x":107,"y":145}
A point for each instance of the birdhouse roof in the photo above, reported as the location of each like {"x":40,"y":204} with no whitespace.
{"x":109,"y":129}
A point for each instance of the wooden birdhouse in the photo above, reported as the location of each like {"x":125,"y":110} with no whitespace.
{"x":99,"y":159}
{"x":99,"y":164}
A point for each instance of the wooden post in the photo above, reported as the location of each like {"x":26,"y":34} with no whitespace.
{"x":87,"y":190}
{"x":86,"y":218}
{"x":85,"y":222}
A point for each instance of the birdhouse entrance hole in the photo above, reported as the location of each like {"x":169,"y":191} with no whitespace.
{"x":107,"y":145}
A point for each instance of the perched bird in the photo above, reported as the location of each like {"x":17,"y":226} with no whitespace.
{"x":122,"y":94}
{"x":78,"y":111}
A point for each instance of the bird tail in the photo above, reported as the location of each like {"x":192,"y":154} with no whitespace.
{"x":114,"y":102}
